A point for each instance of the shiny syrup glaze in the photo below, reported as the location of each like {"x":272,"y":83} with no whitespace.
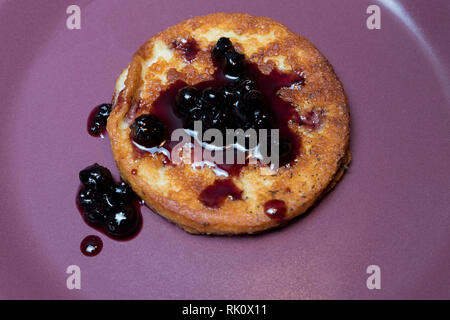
{"x":91,"y":246}
{"x":275,"y":209}
{"x":282,"y":111}
{"x":214,"y":195}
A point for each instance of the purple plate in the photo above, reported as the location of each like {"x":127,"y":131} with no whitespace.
{"x":390,"y":210}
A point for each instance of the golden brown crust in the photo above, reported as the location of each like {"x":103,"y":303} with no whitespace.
{"x":173,"y":191}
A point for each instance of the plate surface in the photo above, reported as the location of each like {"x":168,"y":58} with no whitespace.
{"x":391,"y":209}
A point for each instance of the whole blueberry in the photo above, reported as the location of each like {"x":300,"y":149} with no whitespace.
{"x":98,"y":121}
{"x":222,"y":46}
{"x":122,"y":193}
{"x":96,"y":177}
{"x":96,"y":216}
{"x":107,"y":201}
{"x":234,"y":63}
{"x":148,"y":131}
{"x":229,"y":96}
{"x":87,"y":198}
{"x":104,"y":110}
{"x":246,"y":85}
{"x":209,"y":97}
{"x":197,"y":112}
{"x":122,"y":222}
{"x":186,"y":100}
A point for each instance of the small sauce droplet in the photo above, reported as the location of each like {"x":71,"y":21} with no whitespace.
{"x":275,"y":209}
{"x":311,"y":120}
{"x":188,"y":47}
{"x":91,"y":246}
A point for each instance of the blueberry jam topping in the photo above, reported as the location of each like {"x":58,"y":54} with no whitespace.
{"x":107,"y":205}
{"x":239,"y":96}
{"x":275,"y":209}
{"x":215,"y":194}
{"x":91,"y":246}
{"x":97,"y":119}
{"x":188,"y":47}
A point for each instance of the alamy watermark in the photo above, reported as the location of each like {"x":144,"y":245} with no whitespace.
{"x":374,"y":280}
{"x":374,"y":20}
{"x":216,"y":147}
{"x":74,"y":279}
{"x":73,"y":21}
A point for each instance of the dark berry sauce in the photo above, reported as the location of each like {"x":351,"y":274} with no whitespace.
{"x":96,"y":125}
{"x":275,"y":209}
{"x":188,"y":47}
{"x":109,"y":207}
{"x":214,"y":195}
{"x":238,"y":96}
{"x":91,"y":246}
